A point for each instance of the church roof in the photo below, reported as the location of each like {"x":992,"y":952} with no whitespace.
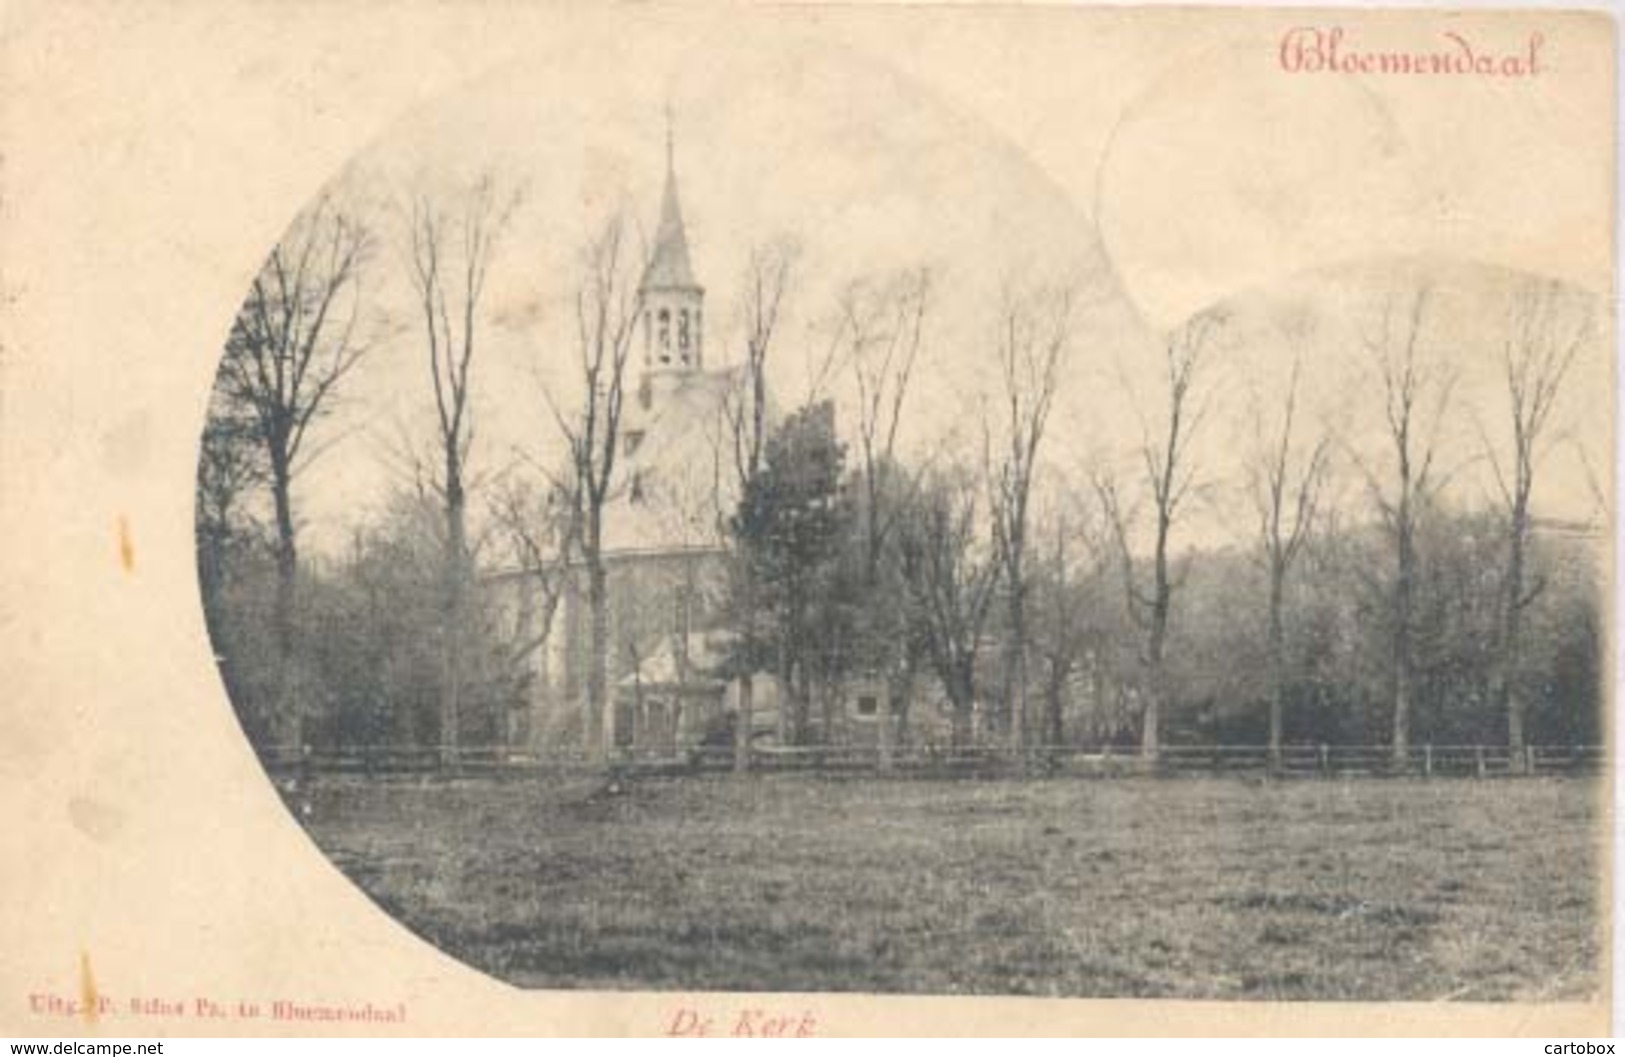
{"x":669,"y":266}
{"x":706,"y":654}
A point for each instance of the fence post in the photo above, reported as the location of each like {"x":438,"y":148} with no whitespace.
{"x":1427,"y":760}
{"x":1478,"y":759}
{"x":1529,"y":760}
{"x":1325,"y":760}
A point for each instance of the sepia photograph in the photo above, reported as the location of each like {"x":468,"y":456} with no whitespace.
{"x":643,"y":560}
{"x":831,"y":519}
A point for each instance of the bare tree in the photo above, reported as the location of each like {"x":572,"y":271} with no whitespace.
{"x":952,"y":580}
{"x":883,"y":324}
{"x":769,"y":277}
{"x":1415,"y":393}
{"x":292,"y":344}
{"x":1285,"y":475}
{"x":451,"y":250}
{"x":540,"y":526}
{"x":607,"y":307}
{"x":1168,"y":462}
{"x":1066,"y":628}
{"x":1032,"y":341}
{"x":1547,"y":331}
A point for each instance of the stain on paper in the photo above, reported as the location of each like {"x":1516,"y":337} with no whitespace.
{"x":95,"y":819}
{"x":89,"y":997}
{"x":126,"y":546}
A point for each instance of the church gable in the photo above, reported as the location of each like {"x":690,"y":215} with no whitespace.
{"x":677,"y":485}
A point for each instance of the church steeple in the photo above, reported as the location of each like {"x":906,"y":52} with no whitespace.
{"x":673,"y":303}
{"x":669,"y":266}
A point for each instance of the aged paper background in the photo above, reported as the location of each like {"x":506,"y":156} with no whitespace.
{"x":152,"y":152}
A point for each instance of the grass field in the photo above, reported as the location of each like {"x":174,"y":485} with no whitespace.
{"x":1197,"y":888}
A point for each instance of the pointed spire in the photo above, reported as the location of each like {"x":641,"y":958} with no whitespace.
{"x":671,"y":151}
{"x":669,"y":266}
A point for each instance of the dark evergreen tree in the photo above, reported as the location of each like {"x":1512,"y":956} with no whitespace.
{"x":792,"y":522}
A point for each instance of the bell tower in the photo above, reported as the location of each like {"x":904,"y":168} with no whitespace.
{"x":673,"y":304}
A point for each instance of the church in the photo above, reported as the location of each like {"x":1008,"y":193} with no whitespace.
{"x":666,"y":552}
{"x":665,"y":526}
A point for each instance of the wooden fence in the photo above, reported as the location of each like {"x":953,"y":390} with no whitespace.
{"x":1294,"y":761}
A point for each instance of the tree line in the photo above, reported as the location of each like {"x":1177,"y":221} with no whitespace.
{"x":1035,"y":594}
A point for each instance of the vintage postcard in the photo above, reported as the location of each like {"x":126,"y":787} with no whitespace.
{"x":755,"y":520}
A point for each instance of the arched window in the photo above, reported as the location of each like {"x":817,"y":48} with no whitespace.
{"x":682,"y":334}
{"x":665,"y":335}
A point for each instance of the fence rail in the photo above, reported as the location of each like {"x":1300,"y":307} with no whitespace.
{"x":1293,"y":761}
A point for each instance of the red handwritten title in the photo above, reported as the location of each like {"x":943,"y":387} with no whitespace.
{"x":1316,"y":49}
{"x":745,"y":1023}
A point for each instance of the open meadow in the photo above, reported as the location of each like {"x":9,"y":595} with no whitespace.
{"x":1193,"y":888}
